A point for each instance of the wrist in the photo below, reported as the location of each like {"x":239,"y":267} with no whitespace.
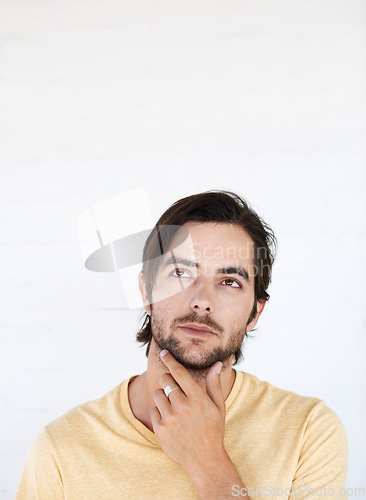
{"x":215,"y":479}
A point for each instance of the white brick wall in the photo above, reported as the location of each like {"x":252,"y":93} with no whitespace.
{"x":100,"y":97}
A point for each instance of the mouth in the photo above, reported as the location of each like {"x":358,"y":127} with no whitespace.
{"x":197,"y":330}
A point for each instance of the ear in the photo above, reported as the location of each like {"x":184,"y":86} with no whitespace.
{"x":260,"y":307}
{"x":145,"y":300}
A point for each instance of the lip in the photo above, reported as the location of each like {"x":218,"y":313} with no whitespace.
{"x":200,"y":330}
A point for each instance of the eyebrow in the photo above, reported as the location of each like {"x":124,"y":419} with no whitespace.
{"x":241,"y":271}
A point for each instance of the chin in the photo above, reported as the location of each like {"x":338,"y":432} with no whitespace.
{"x":195,"y":361}
{"x":192,"y":356}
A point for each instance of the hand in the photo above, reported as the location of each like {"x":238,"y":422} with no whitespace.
{"x":190,"y":424}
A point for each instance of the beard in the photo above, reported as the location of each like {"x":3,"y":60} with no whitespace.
{"x":198,"y":364}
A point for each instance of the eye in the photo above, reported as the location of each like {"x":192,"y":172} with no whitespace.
{"x":178,"y":273}
{"x":236,"y":283}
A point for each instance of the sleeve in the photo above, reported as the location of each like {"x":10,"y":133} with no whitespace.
{"x":322,"y":466}
{"x":41,"y":477}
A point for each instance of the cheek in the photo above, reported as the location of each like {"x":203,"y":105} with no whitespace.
{"x":237,"y":315}
{"x":162,"y":315}
{"x":238,"y":323}
{"x":170,"y":296}
{"x":177,"y":303}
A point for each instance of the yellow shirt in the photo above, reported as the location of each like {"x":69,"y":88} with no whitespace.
{"x":283,"y":445}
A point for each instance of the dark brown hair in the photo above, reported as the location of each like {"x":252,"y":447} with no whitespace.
{"x":209,"y":206}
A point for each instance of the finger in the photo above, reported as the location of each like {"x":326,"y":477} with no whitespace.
{"x":162,"y":402}
{"x":155,"y":418}
{"x":165,"y":381}
{"x":180,"y":374}
{"x":213,"y":386}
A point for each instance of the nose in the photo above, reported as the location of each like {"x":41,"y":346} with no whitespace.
{"x":202,"y":300}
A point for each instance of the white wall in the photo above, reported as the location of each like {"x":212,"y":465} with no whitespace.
{"x":96,"y":98}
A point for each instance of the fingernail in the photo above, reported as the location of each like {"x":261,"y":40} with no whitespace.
{"x":163,"y":352}
{"x":219,"y":368}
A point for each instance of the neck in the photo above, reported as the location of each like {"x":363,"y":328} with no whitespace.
{"x":141,"y":389}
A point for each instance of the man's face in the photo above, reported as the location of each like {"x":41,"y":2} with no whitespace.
{"x":207,"y":281}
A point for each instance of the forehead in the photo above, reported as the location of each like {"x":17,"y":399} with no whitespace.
{"x":213,"y":242}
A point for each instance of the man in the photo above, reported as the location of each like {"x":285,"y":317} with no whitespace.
{"x":191,"y":426}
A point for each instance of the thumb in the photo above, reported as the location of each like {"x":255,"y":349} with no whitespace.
{"x":213,"y":386}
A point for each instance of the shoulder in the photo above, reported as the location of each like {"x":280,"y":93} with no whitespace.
{"x":262,"y":391}
{"x":78,"y":422}
{"x":271,"y":402}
